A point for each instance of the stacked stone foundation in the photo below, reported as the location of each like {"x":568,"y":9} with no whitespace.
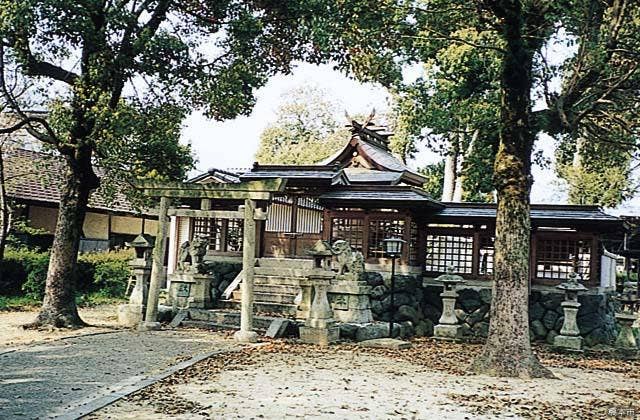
{"x":418,"y":308}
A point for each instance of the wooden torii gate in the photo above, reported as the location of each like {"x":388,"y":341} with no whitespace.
{"x":250,"y":192}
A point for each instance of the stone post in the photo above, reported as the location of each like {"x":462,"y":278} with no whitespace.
{"x":569,"y":338}
{"x":448,"y":327}
{"x":626,"y":317}
{"x":151,"y":318}
{"x":320,"y":327}
{"x":246,"y":333}
{"x":626,"y":341}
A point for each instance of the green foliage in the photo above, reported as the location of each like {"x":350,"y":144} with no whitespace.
{"x":435,"y":179}
{"x":109,"y":271}
{"x":306,"y":130}
{"x":16,"y":303}
{"x":35,"y":265}
{"x":25,"y":271}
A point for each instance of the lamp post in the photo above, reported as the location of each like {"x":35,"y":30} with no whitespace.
{"x":393,"y":249}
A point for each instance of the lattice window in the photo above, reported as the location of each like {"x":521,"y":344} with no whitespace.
{"x":485,"y":259}
{"x":235,"y":232}
{"x":348,"y":229}
{"x":309,"y":216}
{"x":446,"y":250}
{"x":279,"y":214}
{"x":413,"y":244}
{"x":224,"y":235}
{"x":555,"y":258}
{"x":380,"y":230}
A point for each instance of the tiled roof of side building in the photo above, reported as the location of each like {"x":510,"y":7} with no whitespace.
{"x":539,"y":212}
{"x":36,"y":177}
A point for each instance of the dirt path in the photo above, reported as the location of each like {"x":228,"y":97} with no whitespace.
{"x":101,"y":318}
{"x":426,"y":382}
{"x":42,"y":380}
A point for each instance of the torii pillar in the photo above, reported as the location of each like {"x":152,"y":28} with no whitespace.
{"x":246,"y":333}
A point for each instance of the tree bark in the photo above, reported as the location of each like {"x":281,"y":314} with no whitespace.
{"x":507,"y":351}
{"x":449,"y":181}
{"x":5,"y":213}
{"x":58,"y":307}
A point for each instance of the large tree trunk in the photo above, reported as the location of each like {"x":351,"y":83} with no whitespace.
{"x":507,"y":351}
{"x":59,"y":307}
{"x":5,"y":212}
{"x":449,"y":181}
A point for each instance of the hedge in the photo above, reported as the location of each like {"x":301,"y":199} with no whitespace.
{"x":24,"y":272}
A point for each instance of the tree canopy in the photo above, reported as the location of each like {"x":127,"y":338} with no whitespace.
{"x":116,"y":78}
{"x":305,"y":131}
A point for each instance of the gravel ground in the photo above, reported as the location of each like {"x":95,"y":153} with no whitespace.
{"x":100,"y":318}
{"x":285,"y":380}
{"x":42,"y":380}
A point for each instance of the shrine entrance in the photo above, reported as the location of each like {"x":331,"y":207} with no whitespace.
{"x":179,"y":199}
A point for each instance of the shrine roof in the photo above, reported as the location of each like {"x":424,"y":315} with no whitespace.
{"x":379,"y":197}
{"x":305,"y":175}
{"x":371,"y":144}
{"x":541,"y":214}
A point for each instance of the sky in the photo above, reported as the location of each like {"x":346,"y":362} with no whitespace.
{"x":232,"y":144}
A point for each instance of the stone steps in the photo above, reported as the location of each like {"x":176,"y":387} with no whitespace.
{"x":283,"y":272}
{"x":287,"y":298}
{"x":284,"y":309}
{"x":275,"y":280}
{"x":285,"y":263}
{"x":221,"y":319}
{"x":276,"y":289}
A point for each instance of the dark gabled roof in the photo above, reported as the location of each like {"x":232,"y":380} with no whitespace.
{"x":217,"y":175}
{"x":379,"y":197}
{"x":36,"y":177}
{"x":298,"y":175}
{"x":372,"y":144}
{"x":541,"y":214}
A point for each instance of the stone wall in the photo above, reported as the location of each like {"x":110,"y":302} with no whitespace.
{"x":422,"y":307}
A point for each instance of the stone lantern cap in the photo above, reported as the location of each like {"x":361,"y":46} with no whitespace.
{"x":449,"y":277}
{"x":572,"y":284}
{"x":142,"y":241}
{"x":321,"y":249}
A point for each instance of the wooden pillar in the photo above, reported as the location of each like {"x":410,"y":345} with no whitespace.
{"x":151,"y":319}
{"x":246,"y":333}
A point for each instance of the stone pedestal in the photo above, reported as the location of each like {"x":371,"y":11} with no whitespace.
{"x":626,"y":340}
{"x":320,"y":327}
{"x":304,"y":306}
{"x":350,"y":300}
{"x":190,"y":290}
{"x":448,"y":327}
{"x":132,"y":313}
{"x":569,"y":338}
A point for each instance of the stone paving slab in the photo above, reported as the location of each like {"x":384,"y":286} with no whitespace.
{"x":386,"y":343}
{"x":42,"y":381}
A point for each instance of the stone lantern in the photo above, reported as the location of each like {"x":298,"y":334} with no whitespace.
{"x":320,"y":326}
{"x":626,"y":317}
{"x":448,"y":327}
{"x":130,"y":314}
{"x":569,"y":338}
{"x":321,"y":254}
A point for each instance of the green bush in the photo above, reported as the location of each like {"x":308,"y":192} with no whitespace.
{"x":104,"y":273}
{"x":109,"y":272}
